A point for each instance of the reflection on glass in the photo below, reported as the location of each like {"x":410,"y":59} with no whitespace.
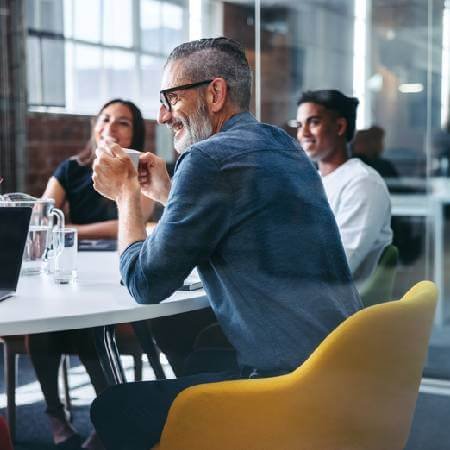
{"x":392,"y":56}
{"x":399,"y":56}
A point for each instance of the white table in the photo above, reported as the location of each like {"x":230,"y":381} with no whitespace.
{"x":96,"y":300}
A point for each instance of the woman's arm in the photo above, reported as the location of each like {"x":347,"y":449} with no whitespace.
{"x":96,"y":230}
{"x":109,"y":228}
{"x":55,"y":191}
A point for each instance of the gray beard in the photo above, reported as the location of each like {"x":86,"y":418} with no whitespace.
{"x":197,"y":128}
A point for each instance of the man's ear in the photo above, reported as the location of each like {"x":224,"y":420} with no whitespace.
{"x":341,"y":126}
{"x":217,"y":94}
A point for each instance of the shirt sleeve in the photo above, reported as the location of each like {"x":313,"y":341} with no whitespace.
{"x":196,"y":218}
{"x":362,"y":213}
{"x":61,"y":173}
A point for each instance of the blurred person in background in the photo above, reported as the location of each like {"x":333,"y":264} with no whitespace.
{"x":357,"y":194}
{"x":368,"y":145}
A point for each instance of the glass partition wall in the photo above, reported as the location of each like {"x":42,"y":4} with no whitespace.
{"x":394,"y":55}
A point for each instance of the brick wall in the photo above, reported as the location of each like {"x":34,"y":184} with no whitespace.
{"x":276,"y":78}
{"x":54,"y":137}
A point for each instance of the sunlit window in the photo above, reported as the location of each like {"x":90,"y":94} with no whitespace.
{"x":86,"y":74}
{"x":86,"y":19}
{"x":46,"y":79}
{"x":83,"y":52}
{"x":151,"y":69}
{"x":120,"y":73}
{"x":118,"y":23}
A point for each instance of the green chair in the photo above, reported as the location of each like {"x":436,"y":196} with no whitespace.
{"x":379,"y":286}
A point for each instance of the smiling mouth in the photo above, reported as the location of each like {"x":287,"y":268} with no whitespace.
{"x":176,"y":128}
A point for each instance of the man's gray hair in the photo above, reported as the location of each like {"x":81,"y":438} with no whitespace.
{"x":222,"y":57}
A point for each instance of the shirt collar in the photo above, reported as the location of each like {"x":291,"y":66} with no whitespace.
{"x":241,"y":118}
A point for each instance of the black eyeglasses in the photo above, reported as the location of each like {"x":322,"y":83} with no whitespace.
{"x":168,"y":100}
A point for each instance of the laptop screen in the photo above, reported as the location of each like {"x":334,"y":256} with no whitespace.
{"x":14,"y":223}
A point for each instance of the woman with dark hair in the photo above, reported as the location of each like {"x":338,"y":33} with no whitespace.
{"x":95,"y":217}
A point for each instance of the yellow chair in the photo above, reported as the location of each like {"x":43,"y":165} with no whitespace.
{"x":357,"y":391}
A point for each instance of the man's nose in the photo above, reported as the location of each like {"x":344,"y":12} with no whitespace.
{"x":164,"y":115}
{"x":304,"y":130}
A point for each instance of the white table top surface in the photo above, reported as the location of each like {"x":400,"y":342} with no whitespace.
{"x":97,"y":298}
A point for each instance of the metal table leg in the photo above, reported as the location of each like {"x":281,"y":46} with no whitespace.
{"x":108,"y":354}
{"x":142,"y":329}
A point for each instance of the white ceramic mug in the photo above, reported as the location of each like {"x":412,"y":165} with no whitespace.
{"x":133,"y":155}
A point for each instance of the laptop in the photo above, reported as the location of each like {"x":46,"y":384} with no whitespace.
{"x":14,"y":224}
{"x":192,"y":282}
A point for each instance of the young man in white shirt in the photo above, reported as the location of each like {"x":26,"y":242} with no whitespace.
{"x":357,"y":194}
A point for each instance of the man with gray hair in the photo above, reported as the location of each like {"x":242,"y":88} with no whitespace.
{"x":246,"y":207}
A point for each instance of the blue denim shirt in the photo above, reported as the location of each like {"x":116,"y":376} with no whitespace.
{"x":248,"y":208}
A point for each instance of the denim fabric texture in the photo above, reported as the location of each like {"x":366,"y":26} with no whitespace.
{"x":247,"y":207}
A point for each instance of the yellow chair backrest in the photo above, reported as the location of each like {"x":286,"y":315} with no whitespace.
{"x":357,"y":391}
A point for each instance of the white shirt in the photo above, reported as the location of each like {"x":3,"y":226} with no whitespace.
{"x":360,"y":201}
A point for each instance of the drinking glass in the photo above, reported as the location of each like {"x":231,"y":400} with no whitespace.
{"x":65,"y":242}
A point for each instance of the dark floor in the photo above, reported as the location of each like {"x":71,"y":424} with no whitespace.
{"x":430,"y":430}
{"x":33,"y":432}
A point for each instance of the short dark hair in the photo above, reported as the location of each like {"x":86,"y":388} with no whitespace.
{"x":336,"y":101}
{"x":217,"y":57}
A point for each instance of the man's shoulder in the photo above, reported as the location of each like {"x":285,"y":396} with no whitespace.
{"x":245,"y":137}
{"x":357,"y":169}
{"x":362,"y":180}
{"x":355,"y":175}
{"x":68,"y":167}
